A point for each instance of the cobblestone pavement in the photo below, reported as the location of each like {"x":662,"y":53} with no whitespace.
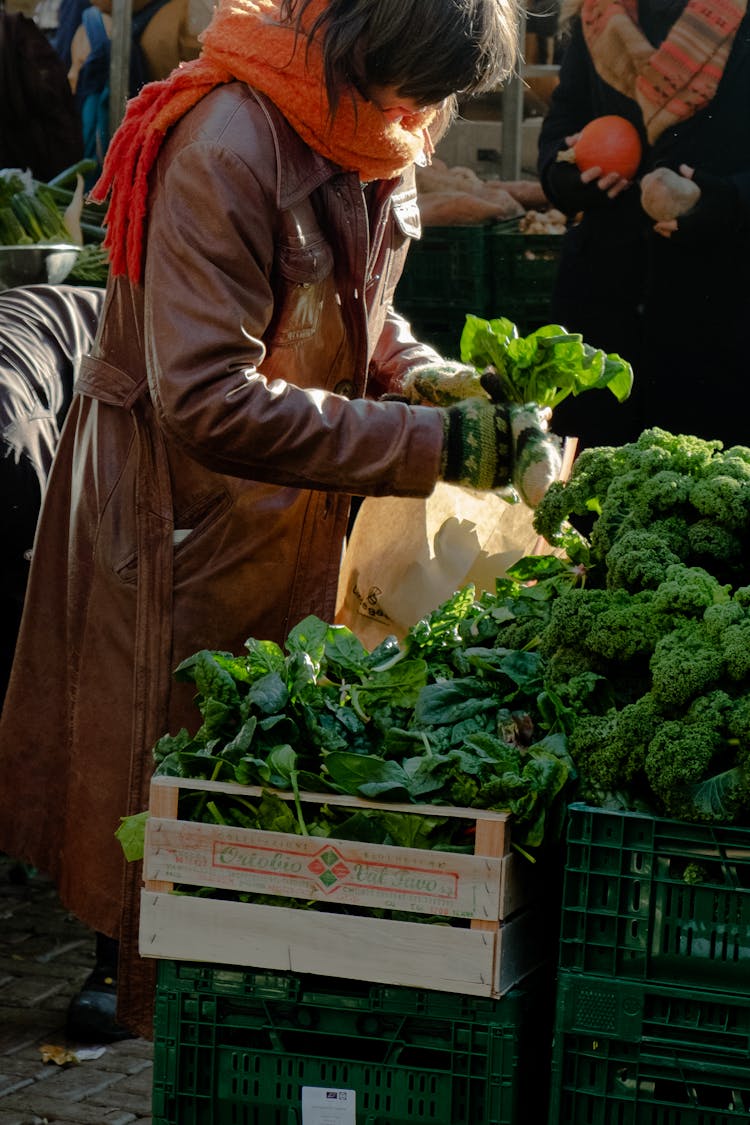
{"x":45,"y":955}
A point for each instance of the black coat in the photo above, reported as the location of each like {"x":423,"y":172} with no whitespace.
{"x":39,"y":124}
{"x":679,"y":313}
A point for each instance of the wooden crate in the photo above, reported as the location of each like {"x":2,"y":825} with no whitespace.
{"x":495,"y":890}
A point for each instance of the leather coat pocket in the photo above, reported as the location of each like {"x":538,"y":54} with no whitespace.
{"x":190,"y":526}
{"x":303,"y":279}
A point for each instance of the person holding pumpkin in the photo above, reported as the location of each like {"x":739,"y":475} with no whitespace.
{"x":667,"y":290}
{"x":250,"y":376}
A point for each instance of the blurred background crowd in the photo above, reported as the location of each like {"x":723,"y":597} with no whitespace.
{"x":54,"y":72}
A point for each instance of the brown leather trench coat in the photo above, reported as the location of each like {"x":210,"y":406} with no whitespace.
{"x":201,"y":490}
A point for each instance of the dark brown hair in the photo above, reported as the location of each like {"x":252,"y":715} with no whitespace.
{"x":429,"y":50}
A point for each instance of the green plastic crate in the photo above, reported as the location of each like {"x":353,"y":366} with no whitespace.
{"x":657,"y":900}
{"x":527,"y":313}
{"x":523,"y":268}
{"x":235,"y":1047}
{"x":442,"y":329}
{"x":597,"y":1081}
{"x":672,"y":1018}
{"x":447,"y":269}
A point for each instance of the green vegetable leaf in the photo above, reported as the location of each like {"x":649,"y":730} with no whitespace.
{"x":281,"y":763}
{"x":409,"y":831}
{"x":716,"y":798}
{"x":269,"y":693}
{"x":397,"y":686}
{"x":132,"y":835}
{"x":544,"y":367}
{"x":344,"y":651}
{"x":453,"y":701}
{"x":211,"y":679}
{"x":262,"y":657}
{"x":309,"y":639}
{"x":367,"y":776}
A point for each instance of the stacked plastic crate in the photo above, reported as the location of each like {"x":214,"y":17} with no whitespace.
{"x":447,"y":275}
{"x":491,"y":270}
{"x":261,"y":1004}
{"x":524,"y":267}
{"x":238,"y":1047}
{"x":652,"y":1021}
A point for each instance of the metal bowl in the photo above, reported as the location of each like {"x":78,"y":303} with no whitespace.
{"x":35,"y":263}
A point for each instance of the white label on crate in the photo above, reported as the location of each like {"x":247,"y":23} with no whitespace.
{"x":323,"y":1106}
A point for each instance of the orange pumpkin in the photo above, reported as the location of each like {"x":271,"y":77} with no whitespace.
{"x":610,"y":143}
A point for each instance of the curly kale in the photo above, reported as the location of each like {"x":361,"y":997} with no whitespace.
{"x":637,"y":723}
{"x":689,"y":590}
{"x":638,"y":560}
{"x":663,"y":492}
{"x":685,"y":753}
{"x":630,"y":626}
{"x":738,"y":723}
{"x":522,"y":633}
{"x":674,"y":532}
{"x":721,"y":496}
{"x":577,"y":499}
{"x":567,"y":661}
{"x":572,"y":616}
{"x":727,"y":624}
{"x":679,"y":757}
{"x":652,"y":655}
{"x":685,"y":663}
{"x":719,"y":617}
{"x":684,"y":490}
{"x":589,"y":745}
{"x":715,"y":545}
{"x":682,"y":453}
{"x":735,"y":648}
{"x":610,"y":753}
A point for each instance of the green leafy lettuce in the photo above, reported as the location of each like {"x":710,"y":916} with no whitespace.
{"x":544,"y":367}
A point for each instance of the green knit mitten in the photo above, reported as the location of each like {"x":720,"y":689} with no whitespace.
{"x":442,"y":384}
{"x":477,"y":452}
{"x":536,"y":454}
{"x":491,"y":447}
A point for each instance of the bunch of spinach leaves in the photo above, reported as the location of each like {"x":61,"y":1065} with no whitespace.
{"x":453,"y":715}
{"x":543,"y":367}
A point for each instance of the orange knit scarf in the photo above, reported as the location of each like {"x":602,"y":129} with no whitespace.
{"x":245,"y":41}
{"x":678,"y":78}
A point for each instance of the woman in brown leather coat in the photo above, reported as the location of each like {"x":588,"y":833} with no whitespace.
{"x":262,"y":202}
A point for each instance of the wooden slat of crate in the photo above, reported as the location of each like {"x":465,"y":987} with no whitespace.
{"x":164,"y":795}
{"x":411,"y":954}
{"x":486,"y":887}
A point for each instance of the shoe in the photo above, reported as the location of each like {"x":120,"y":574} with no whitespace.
{"x":91,"y":1014}
{"x":92,"y":1011}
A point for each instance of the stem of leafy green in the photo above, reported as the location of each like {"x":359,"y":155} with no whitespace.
{"x":293,"y":776}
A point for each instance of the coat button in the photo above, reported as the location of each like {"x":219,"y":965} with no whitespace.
{"x":345,"y":387}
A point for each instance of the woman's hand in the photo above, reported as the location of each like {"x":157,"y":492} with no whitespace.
{"x":610,"y":182}
{"x":667,"y":227}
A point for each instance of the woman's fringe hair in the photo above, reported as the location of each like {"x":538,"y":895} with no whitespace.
{"x":429,"y":50}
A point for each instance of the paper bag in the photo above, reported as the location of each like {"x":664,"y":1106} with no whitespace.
{"x":406,"y":556}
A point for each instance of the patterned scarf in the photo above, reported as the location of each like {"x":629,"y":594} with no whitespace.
{"x":245,"y":41}
{"x":670,"y":82}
